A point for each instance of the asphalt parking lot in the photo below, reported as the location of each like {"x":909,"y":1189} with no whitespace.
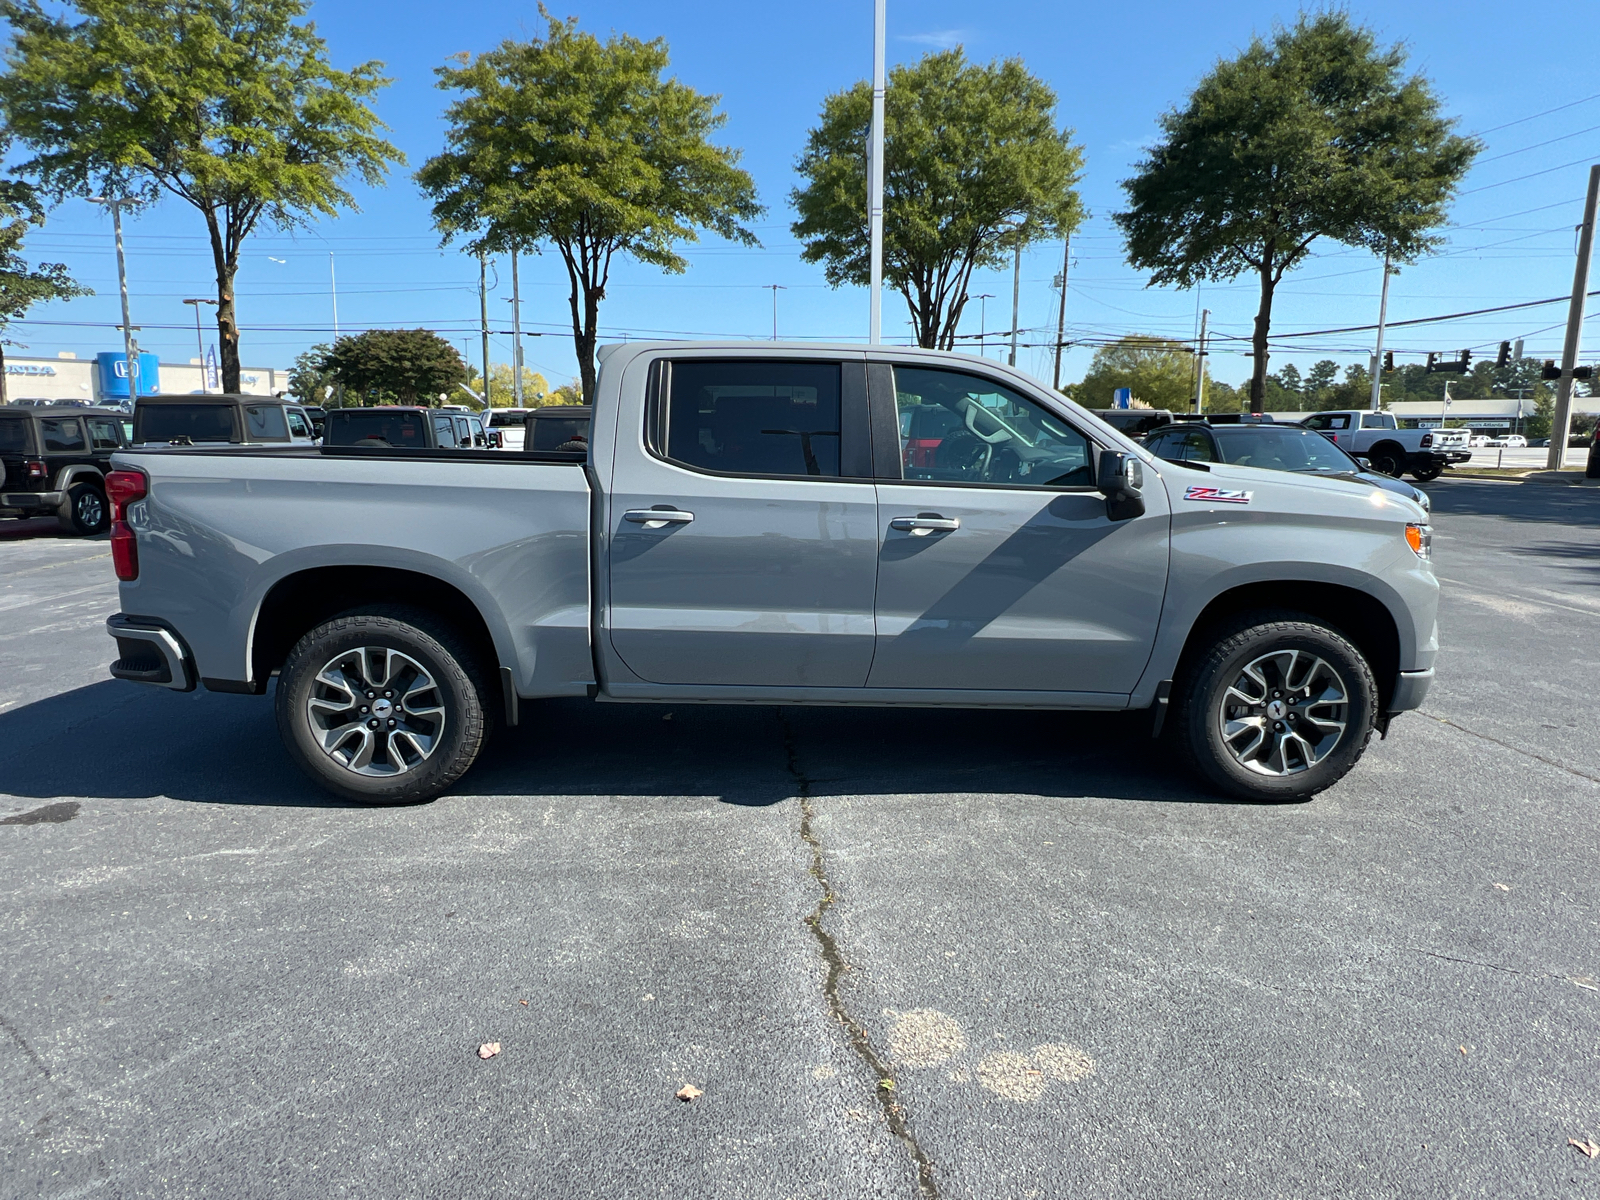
{"x":901,"y":953}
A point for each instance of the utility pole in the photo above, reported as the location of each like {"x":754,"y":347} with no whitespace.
{"x":1562,"y":424}
{"x":516,"y":334}
{"x":1377,"y":355}
{"x":1200,"y":359}
{"x":130,"y":348}
{"x":875,"y":178}
{"x":1016,"y":297}
{"x":199,"y":341}
{"x":1061,"y":312}
{"x":483,"y":319}
{"x":776,"y":288}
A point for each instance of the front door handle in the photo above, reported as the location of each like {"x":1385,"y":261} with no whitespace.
{"x":923,"y":524}
{"x":657,"y":518}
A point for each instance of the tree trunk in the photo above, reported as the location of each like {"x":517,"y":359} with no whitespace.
{"x":226,"y":262}
{"x":1258,"y":375}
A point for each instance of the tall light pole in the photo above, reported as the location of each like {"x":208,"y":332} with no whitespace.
{"x":1377,"y":355}
{"x":483,"y":317}
{"x":130,"y":348}
{"x":199,"y":341}
{"x":516,"y":334}
{"x":775,"y":288}
{"x":1562,"y":423}
{"x":875,"y":177}
{"x":1016,"y":296}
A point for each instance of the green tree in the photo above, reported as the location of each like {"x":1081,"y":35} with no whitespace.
{"x":23,"y":285}
{"x":973,"y":163}
{"x":535,"y":388}
{"x":1314,"y":134}
{"x":229,"y":105}
{"x":582,"y":145}
{"x":1322,"y":375}
{"x":396,"y":366}
{"x":1160,"y":373}
{"x":568,"y":393}
{"x":310,"y":381}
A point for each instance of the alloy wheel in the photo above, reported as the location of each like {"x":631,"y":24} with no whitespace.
{"x":376,"y":711}
{"x":1284,"y":713}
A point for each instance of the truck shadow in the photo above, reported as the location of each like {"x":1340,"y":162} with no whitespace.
{"x":117,"y":740}
{"x":1549,"y":503}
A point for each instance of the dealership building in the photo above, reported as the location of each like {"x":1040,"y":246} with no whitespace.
{"x":105,"y":377}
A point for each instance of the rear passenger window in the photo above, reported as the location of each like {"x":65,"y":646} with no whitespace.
{"x":444,"y":429}
{"x":61,"y":435}
{"x":104,"y":433}
{"x":754,"y":418}
{"x":265,"y":423}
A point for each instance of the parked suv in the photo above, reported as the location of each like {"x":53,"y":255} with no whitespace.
{"x":403,"y":427}
{"x":53,"y":462}
{"x":227,"y":419}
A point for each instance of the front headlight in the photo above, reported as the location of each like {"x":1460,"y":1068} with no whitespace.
{"x":1420,"y":538}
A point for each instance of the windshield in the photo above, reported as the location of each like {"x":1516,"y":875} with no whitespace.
{"x":1282,"y":450}
{"x":197,"y":422}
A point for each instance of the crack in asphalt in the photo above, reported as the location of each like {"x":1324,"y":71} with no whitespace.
{"x":884,"y":1087}
{"x":1549,"y":762}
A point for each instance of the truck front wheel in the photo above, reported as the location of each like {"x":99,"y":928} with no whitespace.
{"x":1386,"y":458}
{"x":384,"y":705}
{"x":1279,"y":709}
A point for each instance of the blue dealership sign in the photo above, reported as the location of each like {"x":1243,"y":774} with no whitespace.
{"x":1122,"y":398}
{"x":113,"y":373}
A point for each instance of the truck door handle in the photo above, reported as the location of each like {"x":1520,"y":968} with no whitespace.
{"x":657,"y":518}
{"x":923,"y":524}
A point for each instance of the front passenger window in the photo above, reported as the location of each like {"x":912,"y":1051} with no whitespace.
{"x":987,"y":434}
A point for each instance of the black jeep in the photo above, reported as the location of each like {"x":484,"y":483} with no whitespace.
{"x":53,"y":462}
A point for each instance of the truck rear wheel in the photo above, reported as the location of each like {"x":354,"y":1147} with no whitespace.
{"x":1279,"y":709}
{"x":1386,"y":458}
{"x":86,"y":510}
{"x":384,"y":705}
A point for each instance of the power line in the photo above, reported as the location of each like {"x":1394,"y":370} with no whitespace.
{"x":1537,"y":145}
{"x":1537,"y":115}
{"x":1477,"y":312}
{"x":1577,"y":162}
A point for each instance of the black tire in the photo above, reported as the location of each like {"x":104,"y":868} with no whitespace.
{"x":1199,"y":718}
{"x":435,"y":652}
{"x":87,"y":511}
{"x":1427,"y":474}
{"x":1387,"y":459}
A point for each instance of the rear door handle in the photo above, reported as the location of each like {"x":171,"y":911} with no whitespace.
{"x":657,"y":518}
{"x":923,"y":524}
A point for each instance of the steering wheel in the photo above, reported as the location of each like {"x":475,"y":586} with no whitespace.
{"x":994,"y":439}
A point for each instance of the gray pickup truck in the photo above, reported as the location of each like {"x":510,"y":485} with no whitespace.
{"x":756,"y":525}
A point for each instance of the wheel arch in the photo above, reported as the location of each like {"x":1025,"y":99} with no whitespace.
{"x":304,"y":599}
{"x":1359,"y":616}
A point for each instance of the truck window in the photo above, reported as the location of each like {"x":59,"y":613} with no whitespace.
{"x":298,"y":425}
{"x":265,"y":423}
{"x":399,"y":429}
{"x":997,"y":437}
{"x":445,"y":431}
{"x":1377,"y":421}
{"x":552,"y":432}
{"x":16,"y":435}
{"x":755,"y":418}
{"x":62,"y":435}
{"x":1195,"y":446}
{"x":1328,"y":421}
{"x":198,"y":422}
{"x":105,"y":433}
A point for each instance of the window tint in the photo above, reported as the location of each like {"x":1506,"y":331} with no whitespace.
{"x":265,"y":423}
{"x":755,"y":418}
{"x":558,"y":433}
{"x":987,"y":434}
{"x":463,"y":431}
{"x":197,"y":422}
{"x":16,"y":435}
{"x":61,"y":435}
{"x":400,"y":429}
{"x":1328,"y":421}
{"x":105,"y":433}
{"x":445,"y":430}
{"x":1195,"y":446}
{"x":1377,"y":421}
{"x":298,"y":425}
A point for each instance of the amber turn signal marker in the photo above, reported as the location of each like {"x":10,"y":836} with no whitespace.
{"x":1420,"y":539}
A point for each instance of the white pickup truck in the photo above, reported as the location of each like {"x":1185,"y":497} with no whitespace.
{"x":1376,"y":437}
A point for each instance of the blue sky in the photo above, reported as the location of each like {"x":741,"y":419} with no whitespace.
{"x":1114,"y":67}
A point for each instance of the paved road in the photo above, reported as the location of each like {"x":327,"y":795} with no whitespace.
{"x":1081,"y":975}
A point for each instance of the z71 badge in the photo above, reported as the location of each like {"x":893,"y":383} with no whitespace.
{"x":1222,"y":495}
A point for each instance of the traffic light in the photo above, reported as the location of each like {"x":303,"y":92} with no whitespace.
{"x":1504,"y":356}
{"x":1466,"y":357}
{"x":1433,"y":363}
{"x":1388,"y":360}
{"x":1457,"y":366}
{"x":1583,"y":373}
{"x":1551,"y":371}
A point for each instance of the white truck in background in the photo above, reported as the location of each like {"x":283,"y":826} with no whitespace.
{"x":1376,"y":438}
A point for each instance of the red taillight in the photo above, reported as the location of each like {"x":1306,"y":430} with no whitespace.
{"x":1427,"y":440}
{"x":36,"y":469}
{"x":122,"y":489}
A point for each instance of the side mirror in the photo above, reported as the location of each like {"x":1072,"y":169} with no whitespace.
{"x":1121,"y":479}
